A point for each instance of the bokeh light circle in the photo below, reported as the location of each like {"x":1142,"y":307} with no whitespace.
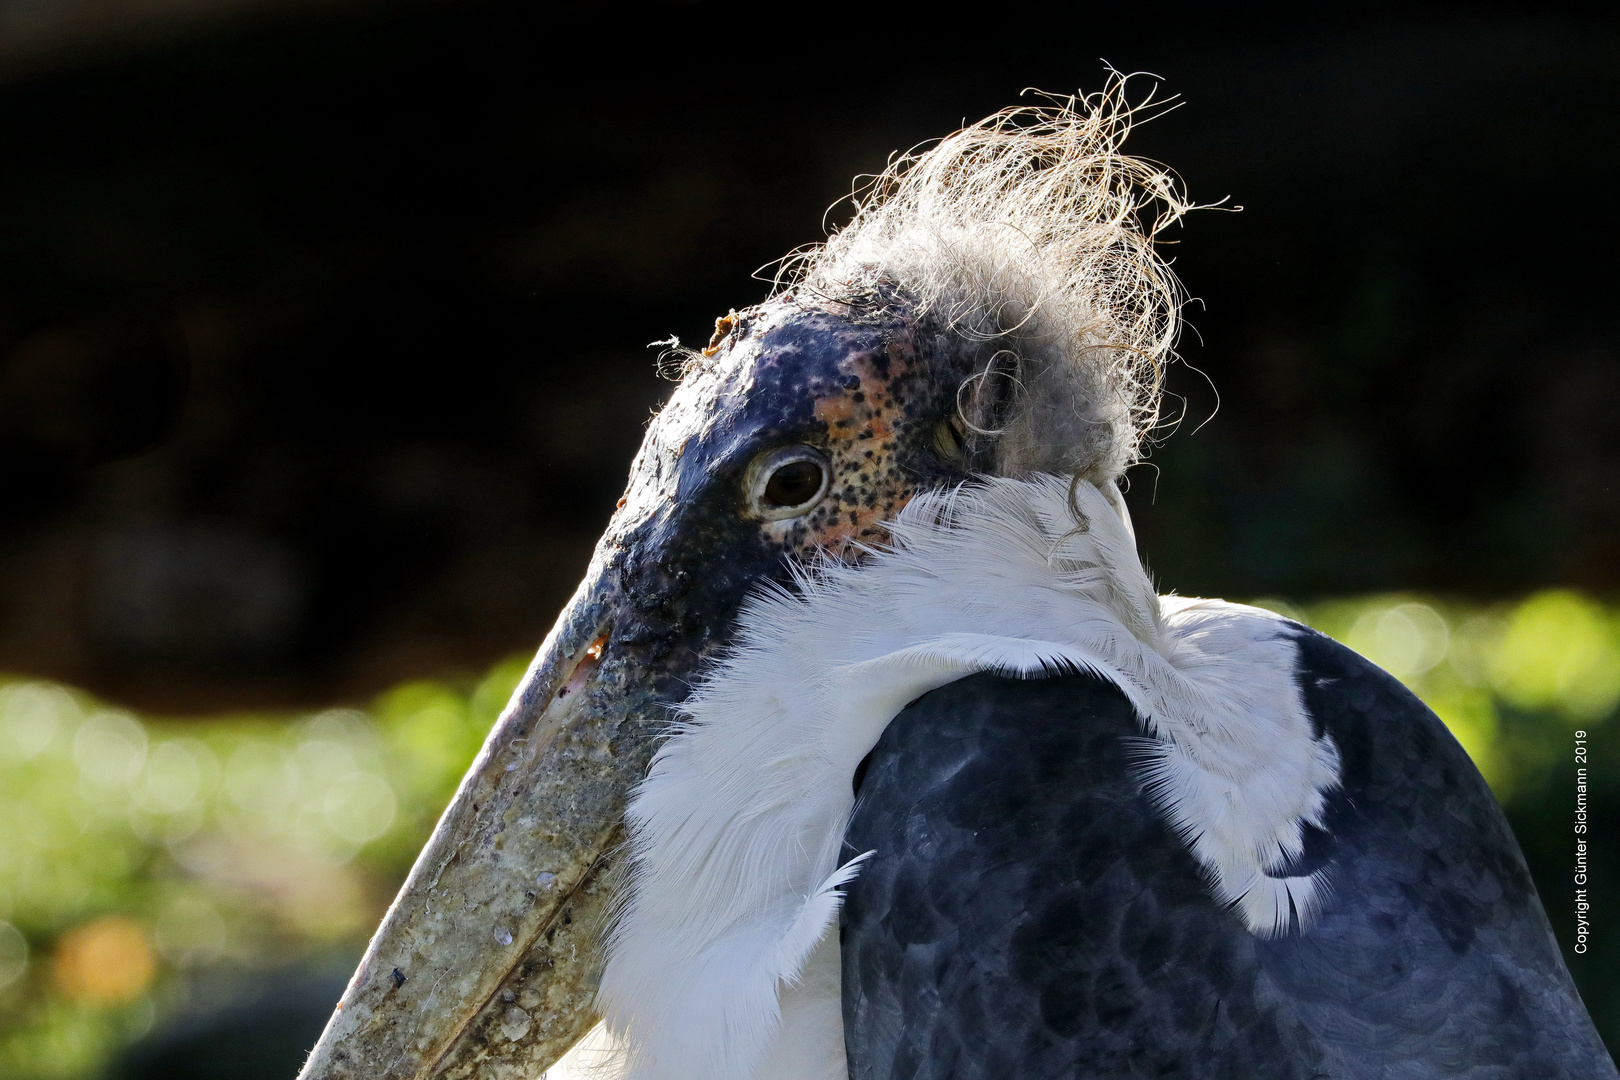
{"x":360,"y":807}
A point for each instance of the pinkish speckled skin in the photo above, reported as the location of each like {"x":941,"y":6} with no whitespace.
{"x":857,"y":382}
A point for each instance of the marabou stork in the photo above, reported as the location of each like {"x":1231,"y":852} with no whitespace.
{"x":867,"y":749}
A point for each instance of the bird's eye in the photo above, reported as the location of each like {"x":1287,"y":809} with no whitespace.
{"x":787,"y":482}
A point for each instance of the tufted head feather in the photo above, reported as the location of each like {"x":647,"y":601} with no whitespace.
{"x":1030,"y":239}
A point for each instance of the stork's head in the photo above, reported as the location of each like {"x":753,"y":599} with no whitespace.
{"x":995,"y":307}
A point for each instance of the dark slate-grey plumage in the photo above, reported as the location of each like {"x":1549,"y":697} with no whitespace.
{"x":1029,"y":912}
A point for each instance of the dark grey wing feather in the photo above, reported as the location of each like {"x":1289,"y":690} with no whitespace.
{"x":1030,"y":913}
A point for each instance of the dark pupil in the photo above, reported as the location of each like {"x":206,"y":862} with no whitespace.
{"x":794,"y":483}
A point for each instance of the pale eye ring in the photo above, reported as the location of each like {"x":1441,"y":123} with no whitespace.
{"x":787,"y":482}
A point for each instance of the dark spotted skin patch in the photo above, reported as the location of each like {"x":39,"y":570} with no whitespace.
{"x":865,"y":384}
{"x":865,"y":420}
{"x":856,"y":386}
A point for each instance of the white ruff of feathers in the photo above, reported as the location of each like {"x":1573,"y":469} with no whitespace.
{"x":721,"y":965}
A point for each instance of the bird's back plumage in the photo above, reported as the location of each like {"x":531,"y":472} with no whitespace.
{"x":1030,"y":911}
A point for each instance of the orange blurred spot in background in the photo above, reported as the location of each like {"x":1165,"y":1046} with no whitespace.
{"x":106,"y":961}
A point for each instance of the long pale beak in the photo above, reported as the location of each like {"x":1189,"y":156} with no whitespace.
{"x":487,"y":962}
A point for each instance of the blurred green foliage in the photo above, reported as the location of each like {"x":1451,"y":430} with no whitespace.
{"x":1511,"y":681}
{"x":138,"y":854}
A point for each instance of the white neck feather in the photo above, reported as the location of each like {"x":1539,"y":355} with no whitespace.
{"x":721,"y":966}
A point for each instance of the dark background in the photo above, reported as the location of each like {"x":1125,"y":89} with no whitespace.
{"x":323,"y":325}
{"x":322,"y":328}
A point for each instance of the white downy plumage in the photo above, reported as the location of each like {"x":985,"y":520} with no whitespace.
{"x":721,"y":966}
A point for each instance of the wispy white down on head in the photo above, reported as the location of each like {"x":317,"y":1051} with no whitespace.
{"x":1030,"y":236}
{"x":721,"y":965}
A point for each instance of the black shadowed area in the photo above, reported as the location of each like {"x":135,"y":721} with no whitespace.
{"x":323,"y":327}
{"x":258,"y":1034}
